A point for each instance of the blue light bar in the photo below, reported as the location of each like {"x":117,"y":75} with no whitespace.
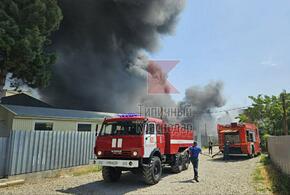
{"x":128,"y":115}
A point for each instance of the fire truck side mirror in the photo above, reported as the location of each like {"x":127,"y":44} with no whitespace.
{"x":97,"y":129}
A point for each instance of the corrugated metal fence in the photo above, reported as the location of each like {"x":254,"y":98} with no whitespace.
{"x":31,"y":151}
{"x":3,"y":152}
{"x":278,"y":148}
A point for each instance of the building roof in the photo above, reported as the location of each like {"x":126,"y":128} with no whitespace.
{"x":23,"y":99}
{"x":29,"y":111}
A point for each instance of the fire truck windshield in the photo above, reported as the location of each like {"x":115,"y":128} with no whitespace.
{"x":233,"y":137}
{"x":122,"y":128}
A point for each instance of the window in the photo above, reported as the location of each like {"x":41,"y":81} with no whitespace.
{"x":251,"y":136}
{"x":159,"y":129}
{"x":122,"y":128}
{"x":84,"y":127}
{"x":150,"y":129}
{"x":233,"y":138}
{"x":43,"y":126}
{"x":107,"y":129}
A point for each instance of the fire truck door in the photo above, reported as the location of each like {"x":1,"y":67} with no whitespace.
{"x":149,"y":139}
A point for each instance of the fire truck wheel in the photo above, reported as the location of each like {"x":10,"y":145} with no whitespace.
{"x":152,"y":174}
{"x":177,"y":164}
{"x":111,"y":174}
{"x":185,"y":161}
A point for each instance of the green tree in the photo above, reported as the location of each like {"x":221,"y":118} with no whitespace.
{"x":267,"y":113}
{"x":25,"y":28}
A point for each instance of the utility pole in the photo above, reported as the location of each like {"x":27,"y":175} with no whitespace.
{"x":199,"y":132}
{"x":206,"y":136}
{"x":285,"y":114}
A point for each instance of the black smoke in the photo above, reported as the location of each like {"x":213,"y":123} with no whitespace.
{"x":101,"y":46}
{"x":201,"y":101}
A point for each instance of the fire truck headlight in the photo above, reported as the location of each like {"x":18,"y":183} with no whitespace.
{"x":135,"y":153}
{"x":99,"y":153}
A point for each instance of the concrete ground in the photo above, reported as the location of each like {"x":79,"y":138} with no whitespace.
{"x":216,"y":177}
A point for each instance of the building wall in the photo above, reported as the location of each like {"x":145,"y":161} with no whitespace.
{"x":5,"y":122}
{"x":278,"y":149}
{"x":22,"y":124}
{"x":27,"y":124}
{"x":34,"y":151}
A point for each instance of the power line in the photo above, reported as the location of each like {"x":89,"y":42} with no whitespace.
{"x":221,"y":111}
{"x":229,"y":110}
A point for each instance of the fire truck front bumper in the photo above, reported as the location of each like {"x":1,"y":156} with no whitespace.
{"x":118,"y":163}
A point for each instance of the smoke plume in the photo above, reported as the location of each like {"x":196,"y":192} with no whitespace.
{"x":103,"y":63}
{"x":102,"y":47}
{"x":200,"y":101}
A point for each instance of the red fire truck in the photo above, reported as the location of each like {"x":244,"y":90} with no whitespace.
{"x":142,"y":145}
{"x":243,"y":139}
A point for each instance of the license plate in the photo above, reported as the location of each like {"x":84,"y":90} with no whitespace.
{"x":118,"y":163}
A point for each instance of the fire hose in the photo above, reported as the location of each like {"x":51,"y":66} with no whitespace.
{"x":216,"y":154}
{"x":206,"y":155}
{"x":201,"y":153}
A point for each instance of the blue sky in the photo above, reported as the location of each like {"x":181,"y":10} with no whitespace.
{"x":244,"y":43}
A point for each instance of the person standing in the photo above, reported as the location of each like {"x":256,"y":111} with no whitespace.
{"x":226,"y":150}
{"x":194,"y":152}
{"x":210,"y":144}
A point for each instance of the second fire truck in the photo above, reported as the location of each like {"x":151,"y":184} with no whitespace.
{"x":243,"y":139}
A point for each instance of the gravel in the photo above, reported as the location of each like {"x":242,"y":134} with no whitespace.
{"x":216,"y":177}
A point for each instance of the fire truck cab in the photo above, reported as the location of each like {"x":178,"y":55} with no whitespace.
{"x":243,"y":139}
{"x":141,"y":145}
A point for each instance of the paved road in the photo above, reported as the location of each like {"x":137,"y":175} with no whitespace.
{"x":216,"y":177}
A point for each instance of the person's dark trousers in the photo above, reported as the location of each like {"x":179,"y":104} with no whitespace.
{"x":194,"y":162}
{"x":210,"y":150}
{"x":226,"y":157}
